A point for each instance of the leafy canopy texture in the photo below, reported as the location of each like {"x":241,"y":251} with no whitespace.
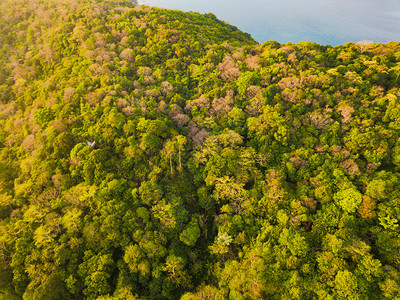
{"x":154,"y":154}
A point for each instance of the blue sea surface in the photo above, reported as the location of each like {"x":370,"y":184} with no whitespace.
{"x":326,"y":22}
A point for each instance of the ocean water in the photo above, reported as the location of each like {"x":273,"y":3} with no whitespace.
{"x":326,"y":22}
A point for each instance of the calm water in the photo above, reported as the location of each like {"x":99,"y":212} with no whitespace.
{"x":323,"y":21}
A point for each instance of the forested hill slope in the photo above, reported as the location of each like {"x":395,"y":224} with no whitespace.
{"x":156,"y":154}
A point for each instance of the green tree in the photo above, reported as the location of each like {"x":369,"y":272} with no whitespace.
{"x":192,"y":232}
{"x":349,"y":199}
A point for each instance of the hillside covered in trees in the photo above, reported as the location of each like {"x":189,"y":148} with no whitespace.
{"x":156,"y":154}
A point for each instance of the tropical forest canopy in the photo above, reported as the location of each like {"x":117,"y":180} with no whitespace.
{"x":156,"y":154}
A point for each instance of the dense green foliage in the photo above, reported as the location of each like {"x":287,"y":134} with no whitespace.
{"x":156,"y":154}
